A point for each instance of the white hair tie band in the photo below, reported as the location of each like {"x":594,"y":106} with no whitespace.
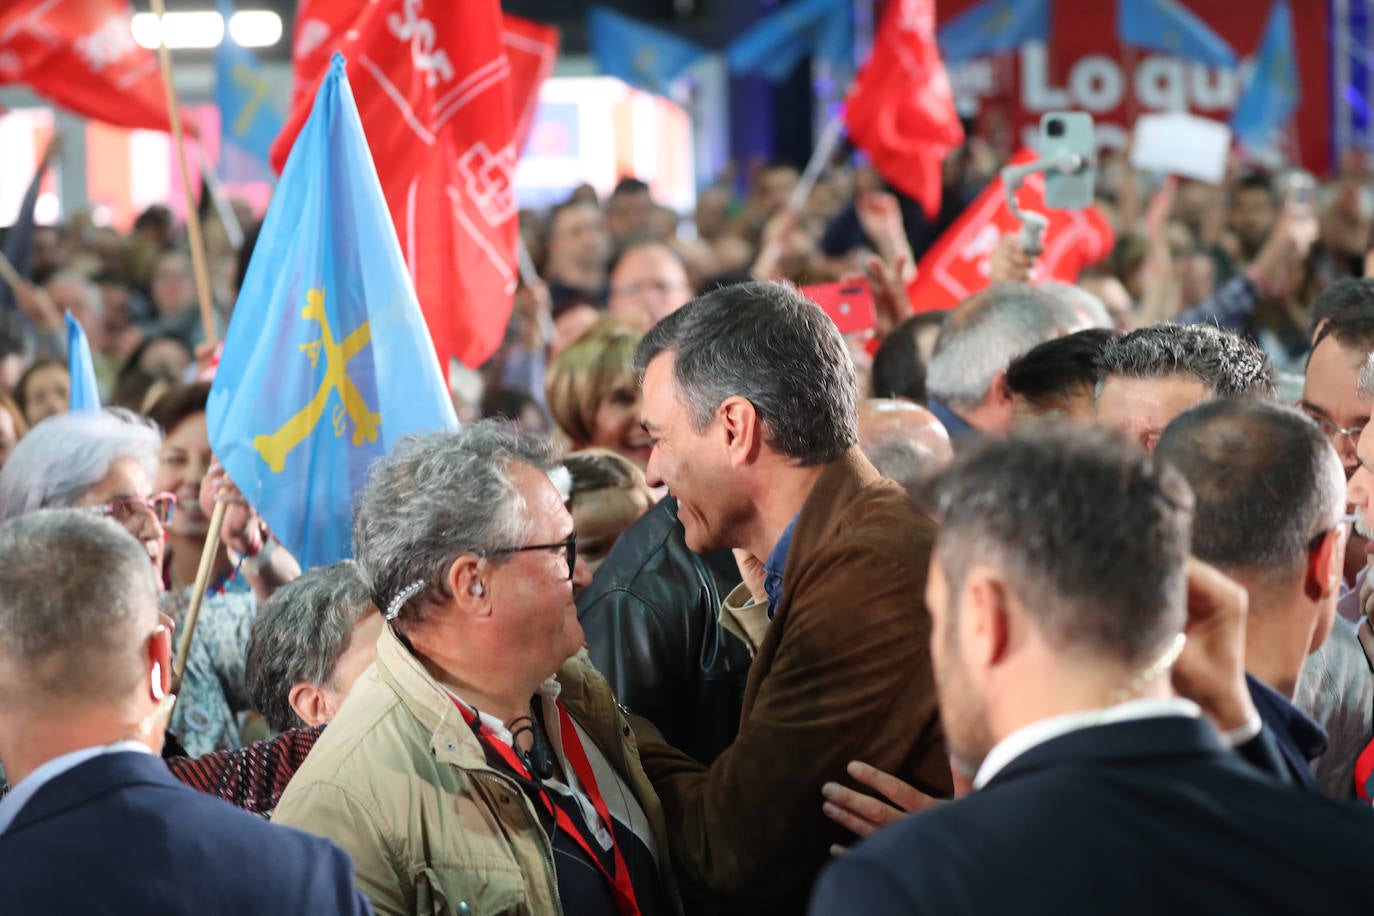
{"x":404,"y":595}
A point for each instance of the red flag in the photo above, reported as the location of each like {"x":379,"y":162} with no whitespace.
{"x":901,"y":109}
{"x":432,"y":84}
{"x":447,"y":179}
{"x":958,"y":265}
{"x":320,"y":27}
{"x":83,"y":57}
{"x":531,"y":49}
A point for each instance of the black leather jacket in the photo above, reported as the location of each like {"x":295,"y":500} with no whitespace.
{"x":652,"y":626}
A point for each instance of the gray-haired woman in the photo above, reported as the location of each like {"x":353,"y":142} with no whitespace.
{"x":106,"y":460}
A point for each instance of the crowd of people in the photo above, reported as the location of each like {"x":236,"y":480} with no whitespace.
{"x":1053,"y":601}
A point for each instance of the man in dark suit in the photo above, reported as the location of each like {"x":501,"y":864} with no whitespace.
{"x":1062,"y":596}
{"x":95,"y":823}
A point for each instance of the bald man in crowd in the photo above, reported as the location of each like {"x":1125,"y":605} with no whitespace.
{"x":904,"y":441}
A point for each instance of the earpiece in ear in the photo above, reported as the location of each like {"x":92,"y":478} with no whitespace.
{"x":476,"y":589}
{"x":157,"y":680}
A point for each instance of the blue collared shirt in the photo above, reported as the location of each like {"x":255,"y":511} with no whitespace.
{"x":954,"y":424}
{"x":775,"y":565}
{"x":28,"y":787}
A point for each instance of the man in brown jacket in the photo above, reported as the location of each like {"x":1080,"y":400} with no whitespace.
{"x":749,"y":397}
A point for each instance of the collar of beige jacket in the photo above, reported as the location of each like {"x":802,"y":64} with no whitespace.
{"x":450,"y":737}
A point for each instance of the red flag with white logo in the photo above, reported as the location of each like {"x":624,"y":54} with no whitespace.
{"x":83,"y":57}
{"x":959,"y":263}
{"x":432,"y":84}
{"x":531,"y":49}
{"x":901,"y":108}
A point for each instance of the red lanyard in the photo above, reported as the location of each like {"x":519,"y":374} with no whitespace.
{"x":620,"y":883}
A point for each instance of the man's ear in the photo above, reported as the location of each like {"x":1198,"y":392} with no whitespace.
{"x":310,"y":703}
{"x":985,"y":624}
{"x":469,"y":586}
{"x":160,"y":663}
{"x":999,"y":393}
{"x":1326,"y":564}
{"x":741,"y":429}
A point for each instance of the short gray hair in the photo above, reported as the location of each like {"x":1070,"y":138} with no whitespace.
{"x":983,"y":335}
{"x":1366,"y":382}
{"x":1074,"y":305}
{"x":436,"y":498}
{"x":904,"y":461}
{"x":89,"y":291}
{"x":75,"y":592}
{"x":767,"y":343}
{"x":61,"y":458}
{"x":299,"y":635}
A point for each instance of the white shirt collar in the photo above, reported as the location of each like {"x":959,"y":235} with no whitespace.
{"x":1029,"y":736}
{"x":550,"y":688}
{"x":28,"y":787}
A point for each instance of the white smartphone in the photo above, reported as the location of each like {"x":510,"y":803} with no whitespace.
{"x":1072,"y":131}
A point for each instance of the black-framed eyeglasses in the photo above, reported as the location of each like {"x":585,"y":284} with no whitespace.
{"x":569,"y":545}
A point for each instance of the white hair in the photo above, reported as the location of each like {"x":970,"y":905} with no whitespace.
{"x":983,"y":335}
{"x":65,"y":455}
{"x":1365,"y":385}
{"x":1084,"y":310}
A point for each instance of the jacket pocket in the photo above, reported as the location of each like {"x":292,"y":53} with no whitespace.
{"x":459,"y":892}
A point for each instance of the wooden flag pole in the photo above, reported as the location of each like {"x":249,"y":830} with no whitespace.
{"x":207,"y":306}
{"x":207,"y":317}
{"x":188,"y":623}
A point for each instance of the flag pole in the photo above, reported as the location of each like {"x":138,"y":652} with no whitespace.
{"x":164,"y":59}
{"x":207,"y":317}
{"x":188,"y":623}
{"x":829,"y":139}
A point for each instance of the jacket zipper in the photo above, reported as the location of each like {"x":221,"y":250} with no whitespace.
{"x":545,"y":847}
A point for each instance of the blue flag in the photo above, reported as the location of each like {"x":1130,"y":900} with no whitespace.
{"x":994,"y":27}
{"x":774,"y":45}
{"x":327,"y":362}
{"x":1170,"y":28}
{"x":85,"y":390}
{"x":641,"y":55}
{"x":250,"y":118}
{"x":1272,"y":93}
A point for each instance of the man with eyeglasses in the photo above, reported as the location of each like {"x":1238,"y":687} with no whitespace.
{"x":1330,"y":392}
{"x":481,"y":764}
{"x":647,"y":283}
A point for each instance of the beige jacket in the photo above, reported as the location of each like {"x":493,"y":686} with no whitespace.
{"x":400,"y":782}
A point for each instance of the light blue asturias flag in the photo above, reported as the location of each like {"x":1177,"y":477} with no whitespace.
{"x":993,"y":27}
{"x":646,"y":57}
{"x":327,"y":361}
{"x":1272,"y":94}
{"x":774,"y":45}
{"x":249,"y":109}
{"x":1171,"y":28}
{"x":85,"y":393}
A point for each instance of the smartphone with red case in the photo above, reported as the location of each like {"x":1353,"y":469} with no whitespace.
{"x":849,"y":304}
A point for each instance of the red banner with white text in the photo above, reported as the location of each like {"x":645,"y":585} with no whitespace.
{"x":959,"y":263}
{"x":1085,"y":67}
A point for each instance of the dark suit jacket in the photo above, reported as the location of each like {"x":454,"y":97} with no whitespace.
{"x":842,"y":674}
{"x":118,"y":834}
{"x":652,"y":621}
{"x":1146,"y":817}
